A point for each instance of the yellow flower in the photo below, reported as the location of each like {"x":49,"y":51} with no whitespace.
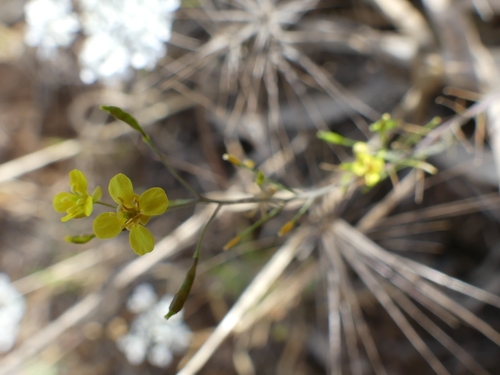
{"x":133,"y":213}
{"x":366,"y":165}
{"x":79,"y":203}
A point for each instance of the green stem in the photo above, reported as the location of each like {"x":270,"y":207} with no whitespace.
{"x":106,"y":204}
{"x":198,"y":246}
{"x":183,"y":293}
{"x":302,"y":210}
{"x":261,"y":221}
{"x":181,"y":203}
{"x":172,"y":171}
{"x":269,"y":180}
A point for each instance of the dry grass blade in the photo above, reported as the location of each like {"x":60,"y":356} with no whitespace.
{"x":462,"y":207}
{"x":281,"y":299}
{"x":300,"y":91}
{"x":334,"y":320}
{"x":348,"y":292}
{"x":39,"y":159}
{"x":373,"y":217}
{"x":353,"y":237}
{"x":350,"y":337}
{"x":386,"y":301}
{"x":337,"y":303}
{"x":450,"y":282}
{"x":67,"y":267}
{"x":330,"y":88}
{"x":431,"y":327}
{"x":413,"y":272}
{"x":407,"y":19}
{"x":48,"y":335}
{"x":409,"y":288}
{"x":457,"y":309}
{"x":415,"y":228}
{"x":254,"y":292}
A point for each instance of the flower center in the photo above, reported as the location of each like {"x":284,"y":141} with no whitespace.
{"x":132,"y":214}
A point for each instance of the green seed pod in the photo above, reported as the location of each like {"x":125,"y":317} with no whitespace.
{"x":80,"y":239}
{"x":183,"y":293}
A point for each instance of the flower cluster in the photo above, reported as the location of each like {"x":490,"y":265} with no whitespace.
{"x":151,"y":336}
{"x":132,"y":213}
{"x":366,"y":165}
{"x":12,"y":306}
{"x":51,"y":24}
{"x":120,"y":34}
{"x":123,"y":34}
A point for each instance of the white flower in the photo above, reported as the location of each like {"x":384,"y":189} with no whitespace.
{"x":142,"y":298}
{"x":134,"y":347}
{"x":12,"y":306}
{"x":50,"y":24}
{"x":151,"y":335}
{"x":123,"y":34}
{"x":160,"y":356}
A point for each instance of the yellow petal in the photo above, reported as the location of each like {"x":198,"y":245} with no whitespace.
{"x":97,"y":194}
{"x":358,"y":168}
{"x":107,"y":225}
{"x":361,"y":148}
{"x":68,"y":217}
{"x":144,"y":219}
{"x":141,"y":240}
{"x":89,"y":205}
{"x":372,"y":179}
{"x":63,"y":201}
{"x":153,"y":202}
{"x":378,"y":165}
{"x":77,"y":181}
{"x":121,"y":189}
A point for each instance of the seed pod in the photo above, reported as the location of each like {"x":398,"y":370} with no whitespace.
{"x":183,"y":293}
{"x":80,"y":239}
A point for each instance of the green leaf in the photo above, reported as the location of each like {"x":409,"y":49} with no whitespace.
{"x":335,"y":138}
{"x":80,"y":239}
{"x":120,"y":114}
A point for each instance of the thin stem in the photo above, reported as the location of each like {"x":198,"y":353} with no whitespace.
{"x":266,"y":179}
{"x":198,"y":246}
{"x":303,"y":210}
{"x":261,"y":221}
{"x":245,"y":200}
{"x":172,"y":171}
{"x":181,"y":203}
{"x":106,"y":204}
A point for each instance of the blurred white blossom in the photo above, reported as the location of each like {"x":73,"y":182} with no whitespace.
{"x":151,"y":336}
{"x":12,"y":306}
{"x":50,"y":24}
{"x":120,"y":34}
{"x":143,"y":297}
{"x":123,"y":34}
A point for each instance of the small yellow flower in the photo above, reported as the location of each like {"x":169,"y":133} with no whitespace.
{"x":79,"y":203}
{"x":366,"y":165}
{"x":133,"y":213}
